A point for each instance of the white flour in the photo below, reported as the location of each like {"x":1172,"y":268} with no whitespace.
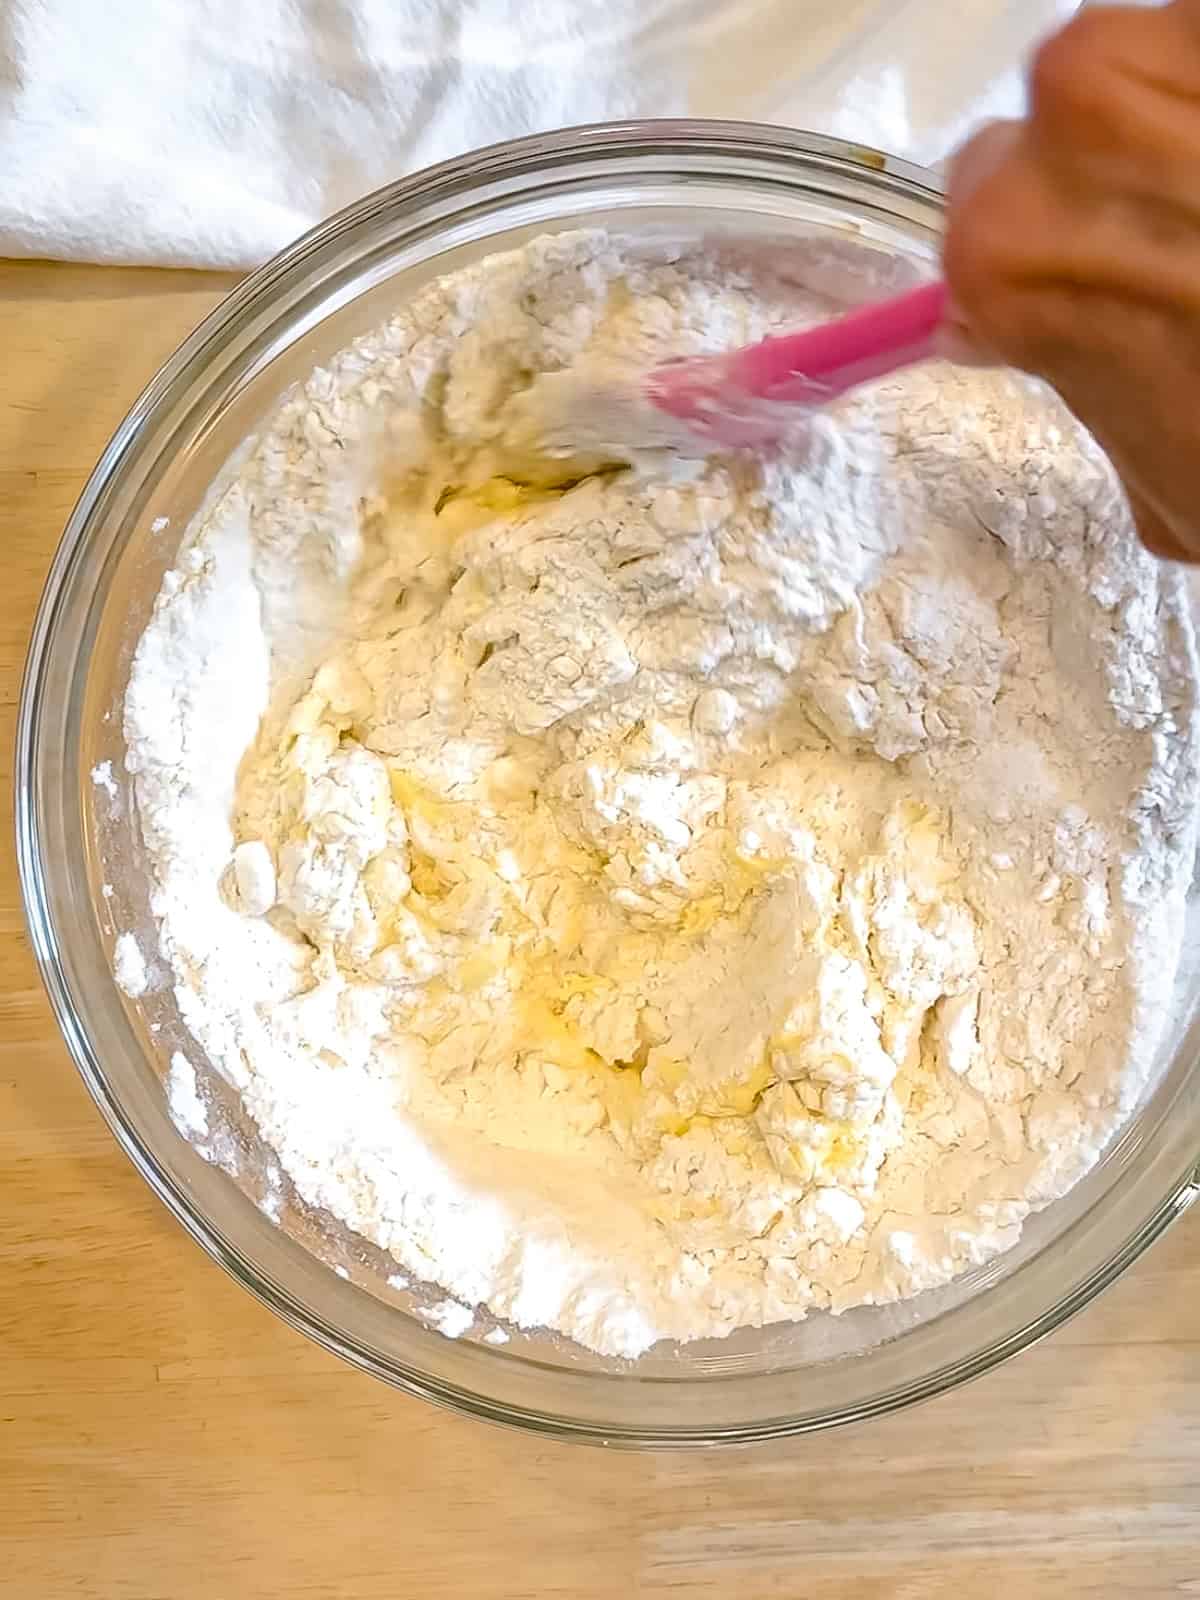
{"x":713,"y":892}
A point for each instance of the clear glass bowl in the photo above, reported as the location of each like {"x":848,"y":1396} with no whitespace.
{"x":82,"y":866}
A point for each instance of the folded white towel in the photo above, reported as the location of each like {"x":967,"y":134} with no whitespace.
{"x":210,"y":132}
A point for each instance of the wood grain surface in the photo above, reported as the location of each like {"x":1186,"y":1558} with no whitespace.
{"x":163,"y":1437}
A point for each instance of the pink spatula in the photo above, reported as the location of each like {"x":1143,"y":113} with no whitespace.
{"x":748,"y":396}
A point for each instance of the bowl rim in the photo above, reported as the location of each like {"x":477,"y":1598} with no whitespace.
{"x":460,"y":175}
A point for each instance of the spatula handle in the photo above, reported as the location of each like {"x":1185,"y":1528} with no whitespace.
{"x":824,"y":362}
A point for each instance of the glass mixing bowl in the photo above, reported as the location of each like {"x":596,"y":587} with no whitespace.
{"x":82,"y":865}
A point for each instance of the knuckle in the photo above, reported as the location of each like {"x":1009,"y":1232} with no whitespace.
{"x":1069,"y":70}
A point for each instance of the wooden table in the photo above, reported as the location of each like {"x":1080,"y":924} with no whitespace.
{"x":162,"y":1437}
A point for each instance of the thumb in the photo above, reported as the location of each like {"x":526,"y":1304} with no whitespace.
{"x":976,"y":160}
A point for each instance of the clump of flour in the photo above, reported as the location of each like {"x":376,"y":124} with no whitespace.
{"x":129,"y":966}
{"x":687,"y":897}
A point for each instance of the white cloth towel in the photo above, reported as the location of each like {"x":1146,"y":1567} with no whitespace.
{"x":211,"y":132}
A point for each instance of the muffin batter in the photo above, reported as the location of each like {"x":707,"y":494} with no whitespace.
{"x":681,"y":896}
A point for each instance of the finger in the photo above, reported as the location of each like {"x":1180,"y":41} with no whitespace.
{"x":1156,"y":533}
{"x":982,"y":154}
{"x":1001,"y":229}
{"x":979,"y":158}
{"x":1113,"y":99}
{"x":1026,"y":259}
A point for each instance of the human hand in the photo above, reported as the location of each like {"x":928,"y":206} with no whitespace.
{"x":1073,"y":249}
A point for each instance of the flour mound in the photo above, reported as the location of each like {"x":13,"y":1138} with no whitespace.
{"x":690,"y":896}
